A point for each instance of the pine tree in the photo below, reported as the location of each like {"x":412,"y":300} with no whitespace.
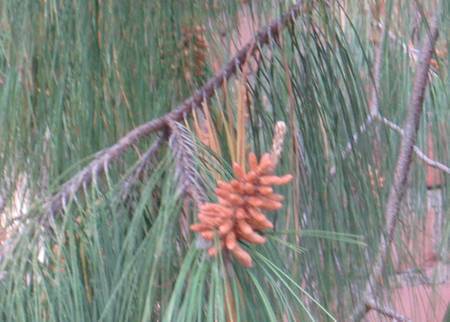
{"x":143,"y":182}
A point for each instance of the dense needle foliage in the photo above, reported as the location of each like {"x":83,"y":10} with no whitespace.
{"x":76,"y":76}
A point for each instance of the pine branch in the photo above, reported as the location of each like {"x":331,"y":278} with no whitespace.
{"x":419,"y":153}
{"x":143,"y":164}
{"x":183,"y":148}
{"x":104,"y":157}
{"x":403,"y":166}
{"x":375,"y":112}
{"x":386,"y":311}
{"x":367,"y":124}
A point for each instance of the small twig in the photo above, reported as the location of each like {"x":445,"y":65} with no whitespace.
{"x":386,"y":311}
{"x":419,"y":153}
{"x":366,"y":125}
{"x":374,"y":102}
{"x":401,"y":173}
{"x":3,"y":199}
{"x":413,"y":52}
{"x":183,"y":149}
{"x":409,"y":50}
{"x":104,"y":157}
{"x":143,"y":164}
{"x":353,"y":140}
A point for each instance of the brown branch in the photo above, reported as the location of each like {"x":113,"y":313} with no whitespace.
{"x":143,"y":164}
{"x":386,"y":311}
{"x":374,"y":112}
{"x":403,"y":166}
{"x":419,"y":153}
{"x":103,"y":158}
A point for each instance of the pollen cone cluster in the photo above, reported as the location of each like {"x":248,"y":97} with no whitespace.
{"x":239,"y":213}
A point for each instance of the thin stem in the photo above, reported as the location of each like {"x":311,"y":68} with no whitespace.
{"x":419,"y":153}
{"x":140,"y":168}
{"x":402,"y":169}
{"x":386,"y":311}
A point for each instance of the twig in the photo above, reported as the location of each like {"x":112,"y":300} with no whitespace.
{"x":386,"y":311}
{"x":366,"y":125}
{"x":2,"y":203}
{"x":374,"y":102}
{"x":143,"y":164}
{"x":374,"y":111}
{"x":403,"y":166}
{"x":183,"y":149}
{"x":103,"y":158}
{"x":420,"y":154}
{"x":353,"y":140}
{"x":408,"y":49}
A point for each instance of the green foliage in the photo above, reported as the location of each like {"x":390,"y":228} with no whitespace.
{"x":75,"y":76}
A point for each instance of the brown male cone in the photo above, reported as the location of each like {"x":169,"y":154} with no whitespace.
{"x":238,"y":215}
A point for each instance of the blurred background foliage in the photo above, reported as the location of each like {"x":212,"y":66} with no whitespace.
{"x":76,"y":76}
